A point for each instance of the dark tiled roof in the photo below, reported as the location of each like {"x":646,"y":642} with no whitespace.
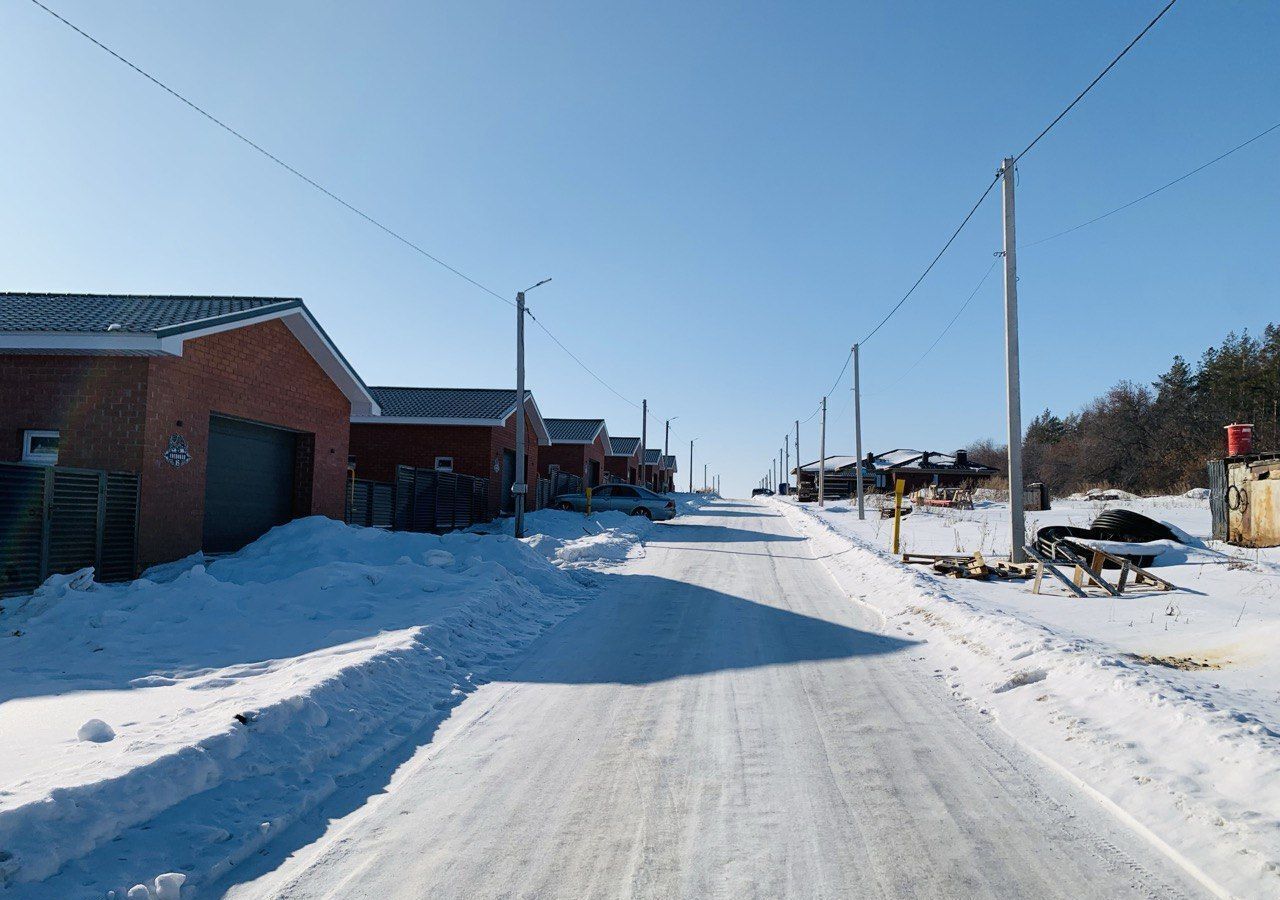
{"x":669,"y":462}
{"x":96,"y":313}
{"x":445,"y":403}
{"x":651,"y":457}
{"x":573,"y":429}
{"x":623,"y":446}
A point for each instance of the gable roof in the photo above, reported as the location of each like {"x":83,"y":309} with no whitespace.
{"x":652,"y":457}
{"x":483,"y":407}
{"x":159,"y":325}
{"x":575,"y":431}
{"x":669,"y":463}
{"x":903,"y":459}
{"x":124,"y":313}
{"x":623,"y":446}
{"x":916,"y":459}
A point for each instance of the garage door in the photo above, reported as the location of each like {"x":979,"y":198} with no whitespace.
{"x":248,"y":482}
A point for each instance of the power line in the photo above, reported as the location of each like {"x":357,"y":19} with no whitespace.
{"x":1150,"y":194}
{"x":271,"y":156}
{"x":1056,"y":119}
{"x":944,"y":331}
{"x":575,"y":358}
{"x":934,"y":262}
{"x":325,"y":191}
{"x":1080,"y":96}
{"x":843,"y":369}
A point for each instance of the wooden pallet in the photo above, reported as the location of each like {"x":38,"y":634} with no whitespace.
{"x":1089,"y":571}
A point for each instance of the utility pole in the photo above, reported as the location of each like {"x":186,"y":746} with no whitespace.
{"x":704,"y":476}
{"x":857,"y":430}
{"x":798,"y":463}
{"x":644,"y":442}
{"x":691,"y":465}
{"x":786,"y":452}
{"x":822,"y":463}
{"x":1017,"y":525}
{"x":519,"y":488}
{"x":666,"y":440}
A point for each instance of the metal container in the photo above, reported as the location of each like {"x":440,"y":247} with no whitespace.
{"x":1245,"y":499}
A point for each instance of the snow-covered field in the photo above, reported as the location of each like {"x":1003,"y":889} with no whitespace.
{"x":161,"y":731}
{"x":1166,"y":705}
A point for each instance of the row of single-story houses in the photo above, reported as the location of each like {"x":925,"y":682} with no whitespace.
{"x":239,"y":413}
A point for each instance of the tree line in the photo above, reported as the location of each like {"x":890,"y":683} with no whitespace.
{"x":1156,"y":438}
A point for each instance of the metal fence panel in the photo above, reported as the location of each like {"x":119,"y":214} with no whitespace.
{"x":1218,"y":498}
{"x":21,"y":527}
{"x":73,"y":521}
{"x":119,"y":555}
{"x":55,"y":520}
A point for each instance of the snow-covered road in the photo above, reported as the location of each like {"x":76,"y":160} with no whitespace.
{"x":722,"y":722}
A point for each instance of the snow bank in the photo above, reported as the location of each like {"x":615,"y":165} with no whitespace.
{"x":161,"y":731}
{"x":1157,"y":702}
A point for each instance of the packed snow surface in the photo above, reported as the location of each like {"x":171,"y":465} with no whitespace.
{"x":163,"y":730}
{"x":1163,"y":702}
{"x":721,"y":723}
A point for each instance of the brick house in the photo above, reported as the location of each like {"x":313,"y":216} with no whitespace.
{"x":578,"y":447}
{"x":471,"y":431}
{"x":623,"y":461}
{"x":655,"y":478}
{"x":233,"y":411}
{"x":668,"y":466}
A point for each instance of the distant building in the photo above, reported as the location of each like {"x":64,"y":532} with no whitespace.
{"x":918,"y":468}
{"x":623,"y":461}
{"x":470,"y":431}
{"x":578,"y":447}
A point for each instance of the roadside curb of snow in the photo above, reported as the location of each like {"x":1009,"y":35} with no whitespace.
{"x":207,"y":807}
{"x":1212,"y":807}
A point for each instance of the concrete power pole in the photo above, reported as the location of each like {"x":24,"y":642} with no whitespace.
{"x":1017,"y":525}
{"x":857,"y":431}
{"x":798,"y":463}
{"x":691,"y":465}
{"x":787,"y":454}
{"x":822,"y":463}
{"x":704,"y":476}
{"x":644,"y":442}
{"x":519,"y":488}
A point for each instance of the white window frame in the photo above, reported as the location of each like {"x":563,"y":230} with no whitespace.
{"x":35,"y":456}
{"x":444,"y":463}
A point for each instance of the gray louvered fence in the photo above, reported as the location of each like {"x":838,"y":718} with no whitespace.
{"x":55,"y":520}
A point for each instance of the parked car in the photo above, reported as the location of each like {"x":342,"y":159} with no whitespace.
{"x":627,"y":498}
{"x":761,"y":492}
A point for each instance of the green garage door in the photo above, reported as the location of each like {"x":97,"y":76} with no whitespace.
{"x":248,"y":482}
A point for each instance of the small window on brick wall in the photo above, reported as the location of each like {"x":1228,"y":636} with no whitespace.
{"x":444,"y":463}
{"x":40,"y":447}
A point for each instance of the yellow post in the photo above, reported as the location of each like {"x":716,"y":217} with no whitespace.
{"x":588,"y":499}
{"x":898,"y":487}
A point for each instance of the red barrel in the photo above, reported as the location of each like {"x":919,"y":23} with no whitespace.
{"x":1239,"y":440}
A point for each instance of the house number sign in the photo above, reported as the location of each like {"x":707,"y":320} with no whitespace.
{"x":177,"y":454}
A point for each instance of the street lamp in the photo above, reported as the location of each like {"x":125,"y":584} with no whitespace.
{"x":520,"y":488}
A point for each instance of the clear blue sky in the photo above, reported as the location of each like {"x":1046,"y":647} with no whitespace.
{"x":727,"y":195}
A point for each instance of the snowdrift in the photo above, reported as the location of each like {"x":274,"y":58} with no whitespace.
{"x":173,"y":725}
{"x":1183,"y":746}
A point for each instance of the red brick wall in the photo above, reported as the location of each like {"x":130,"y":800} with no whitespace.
{"x":261,"y":373}
{"x":378,"y":449}
{"x":568,"y":457}
{"x":96,"y":402}
{"x":625,"y":468}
